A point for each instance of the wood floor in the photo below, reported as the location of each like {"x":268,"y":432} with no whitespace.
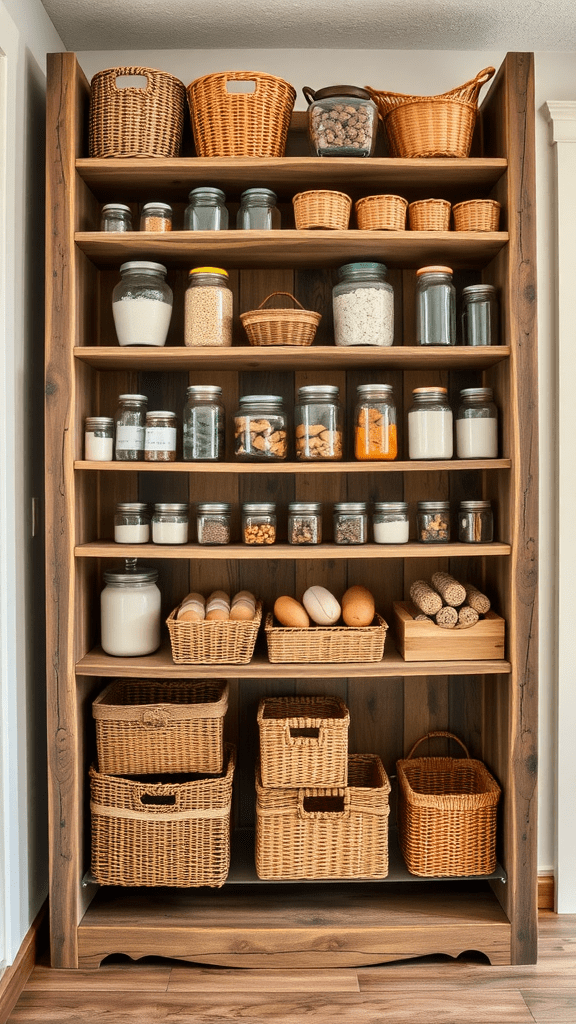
{"x":433,"y":990}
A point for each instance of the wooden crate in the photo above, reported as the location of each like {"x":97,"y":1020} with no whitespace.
{"x":425,"y":641}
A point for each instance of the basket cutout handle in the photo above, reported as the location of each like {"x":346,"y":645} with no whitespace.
{"x":157,"y":797}
{"x":130,"y":72}
{"x":240,"y":86}
{"x":323,"y":804}
{"x":154,"y":718}
{"x":299,"y":736}
{"x":273,"y":295}
{"x":431,"y":735}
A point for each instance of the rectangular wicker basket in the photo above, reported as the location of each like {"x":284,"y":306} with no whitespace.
{"x":213,"y":643}
{"x":336,"y":832}
{"x":303,"y":741}
{"x":287,"y":644}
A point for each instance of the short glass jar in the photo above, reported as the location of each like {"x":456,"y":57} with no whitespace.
{"x":203,"y":424}
{"x":260,"y":429}
{"x":130,"y":422}
{"x":475,"y":522}
{"x":132,"y":523}
{"x":156,"y":217}
{"x":435,"y":306}
{"x":259,"y":522}
{"x":342,"y":121}
{"x":433,"y":522}
{"x":213,"y":522}
{"x":305,"y":522}
{"x":430,"y":425}
{"x":116,"y":217}
{"x":479,"y":315}
{"x":160,"y":437}
{"x":170,"y":523}
{"x":390,"y":522}
{"x":208,"y":309}
{"x":318,"y":423}
{"x":99,"y":439}
{"x":142,"y":304}
{"x":375,"y":434}
{"x":206,"y":210}
{"x":350,"y":522}
{"x":477,"y":425}
{"x":363,"y":306}
{"x":130,"y":606}
{"x":258,"y":211}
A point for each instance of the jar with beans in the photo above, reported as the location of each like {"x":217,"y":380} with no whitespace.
{"x":305,"y":522}
{"x":259,"y":523}
{"x":208,"y":309}
{"x":350,"y":522}
{"x":160,"y":437}
{"x":260,"y":432}
{"x":213,"y":522}
{"x":342,"y":121}
{"x":375,"y":435}
{"x":363,"y":306}
{"x":318,"y":422}
{"x":203,"y":424}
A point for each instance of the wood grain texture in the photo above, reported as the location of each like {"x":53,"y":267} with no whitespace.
{"x":17,"y":975}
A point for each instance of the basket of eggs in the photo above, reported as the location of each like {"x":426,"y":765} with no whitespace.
{"x":321,"y":629}
{"x":215,"y":630}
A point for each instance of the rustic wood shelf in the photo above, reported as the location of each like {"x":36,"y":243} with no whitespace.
{"x":282,"y":552}
{"x":306,"y":468}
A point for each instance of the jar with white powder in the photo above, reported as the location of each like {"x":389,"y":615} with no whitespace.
{"x":170,"y":523}
{"x":98,"y":439}
{"x":363,"y":306}
{"x":142,"y":304}
{"x":130,"y":606}
{"x":208,"y":309}
{"x":477,"y":425}
{"x":430,"y":425}
{"x":390,"y":522}
{"x":132,"y":522}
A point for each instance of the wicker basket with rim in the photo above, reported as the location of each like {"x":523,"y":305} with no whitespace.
{"x":381,"y":213}
{"x":476,"y":215}
{"x":150,"y":832}
{"x":213,"y":643}
{"x":431,"y":125}
{"x":303,"y":741}
{"x":336,"y":832}
{"x":136,"y":121}
{"x":429,"y":215}
{"x":228,"y":123}
{"x":446,"y":814}
{"x":320,"y":208}
{"x":287,"y":644}
{"x":143,"y":726}
{"x":280,"y":326}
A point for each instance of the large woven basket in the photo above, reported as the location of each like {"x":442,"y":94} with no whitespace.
{"x":476,"y":215}
{"x":280,"y":326}
{"x":321,"y":208}
{"x":145,"y":726}
{"x":228,"y":123}
{"x":431,"y":125}
{"x":381,"y":213}
{"x":136,"y":121}
{"x":148,"y":832}
{"x":213,"y":643}
{"x":429,"y":215}
{"x":288,"y":644}
{"x":335,"y":832}
{"x":303,"y":741}
{"x":446,"y":814}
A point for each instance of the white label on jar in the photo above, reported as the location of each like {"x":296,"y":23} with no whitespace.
{"x":141,"y":321}
{"x":132,"y":534}
{"x":395,"y":532}
{"x":129,"y":439}
{"x":169,"y":533}
{"x":160,"y":439}
{"x":430,"y":434}
{"x":98,"y":449}
{"x":477,"y":438}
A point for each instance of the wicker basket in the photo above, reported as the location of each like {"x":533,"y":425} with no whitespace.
{"x":136,"y":121}
{"x":381,"y":213}
{"x":320,"y":208}
{"x":303,"y":741}
{"x":431,"y":125}
{"x":145,"y":726}
{"x":429,"y":215}
{"x":280,"y":326}
{"x":446,"y":814}
{"x":336,"y":832}
{"x":147,"y":832}
{"x":213,"y":643}
{"x":240,"y":123}
{"x":329,"y":644}
{"x":477,"y":215}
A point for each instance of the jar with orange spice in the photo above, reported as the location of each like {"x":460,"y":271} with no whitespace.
{"x":375,"y":435}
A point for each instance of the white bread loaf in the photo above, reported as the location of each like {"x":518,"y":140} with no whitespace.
{"x":321,"y":605}
{"x":358,"y":607}
{"x":192,"y":609}
{"x":218,"y":606}
{"x":290,"y":612}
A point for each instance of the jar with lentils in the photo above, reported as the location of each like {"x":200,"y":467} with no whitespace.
{"x":213,"y":522}
{"x":259,"y":522}
{"x":208,"y":309}
{"x":260,"y":429}
{"x":156,"y":217}
{"x":160,"y":437}
{"x":318,"y":423}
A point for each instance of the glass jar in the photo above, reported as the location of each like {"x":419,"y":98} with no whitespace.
{"x":156,"y":217}
{"x":206,"y":210}
{"x":208,"y":309}
{"x":477,"y":425}
{"x":160,"y":437}
{"x":116,"y":217}
{"x":99,"y":439}
{"x":350,"y":520}
{"x":433,"y":522}
{"x":260,"y":429}
{"x":170,"y":523}
{"x":342,"y":121}
{"x":390,"y":522}
{"x":375,"y":435}
{"x":258,"y":211}
{"x":305,"y":522}
{"x":130,"y":428}
{"x":213,"y":522}
{"x":142,"y":304}
{"x":479,"y":315}
{"x":435,"y":306}
{"x":363,"y":306}
{"x":203,"y":424}
{"x":475,"y":522}
{"x":318,"y":423}
{"x":132,"y":523}
{"x":430,"y":425}
{"x":259,"y":523}
{"x":130,"y":611}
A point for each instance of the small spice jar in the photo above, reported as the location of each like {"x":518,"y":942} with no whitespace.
{"x":477,"y":425}
{"x":363,"y":306}
{"x":260,"y":431}
{"x":160,"y":437}
{"x":435,"y":306}
{"x":208,"y":308}
{"x":479,"y":315}
{"x":430,"y":425}
{"x":375,"y":435}
{"x":130,"y":606}
{"x":203,"y":424}
{"x":206,"y":210}
{"x":130,"y":422}
{"x":350,"y":522}
{"x":259,"y":523}
{"x":390,"y":522}
{"x":213,"y":522}
{"x":318,"y":423}
{"x":99,"y":439}
{"x":433,"y":522}
{"x":156,"y":217}
{"x":142,"y":304}
{"x":170,"y":523}
{"x":475,"y":522}
{"x":305,"y":522}
{"x":258,"y":211}
{"x":132,"y":523}
{"x":342,"y":121}
{"x":116,"y":217}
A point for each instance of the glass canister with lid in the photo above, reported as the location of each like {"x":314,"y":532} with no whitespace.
{"x":156,"y":217}
{"x":479,"y":315}
{"x":130,"y":421}
{"x":260,"y":429}
{"x":170,"y":523}
{"x":116,"y":217}
{"x":259,"y":522}
{"x":203,"y":424}
{"x":363,"y":306}
{"x":258,"y":210}
{"x":430,"y":425}
{"x":206,"y":210}
{"x":435,"y":306}
{"x":375,"y":435}
{"x":342,"y":121}
{"x":475,"y":522}
{"x":142,"y":304}
{"x":305,"y":522}
{"x":213,"y":522}
{"x":98,"y":438}
{"x":132,"y":522}
{"x":160,"y":436}
{"x":477,"y":425}
{"x":433,"y":522}
{"x":390,"y":522}
{"x":318,"y":423}
{"x":130,"y":606}
{"x":350,"y":522}
{"x":208,"y":308}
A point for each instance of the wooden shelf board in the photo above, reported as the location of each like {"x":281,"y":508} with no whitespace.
{"x":436,"y":465}
{"x":285,"y":552}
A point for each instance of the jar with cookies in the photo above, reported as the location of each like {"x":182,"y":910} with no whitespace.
{"x":318,"y":423}
{"x":260,"y":429}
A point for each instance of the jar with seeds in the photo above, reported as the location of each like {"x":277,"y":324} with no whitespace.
{"x":208,"y":308}
{"x":156,"y":217}
{"x":350,"y":522}
{"x":305,"y":522}
{"x":213,"y":522}
{"x":160,"y":437}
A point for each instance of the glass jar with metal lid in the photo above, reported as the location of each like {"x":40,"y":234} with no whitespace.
{"x":170,"y":523}
{"x":206,"y":210}
{"x":156,"y":217}
{"x":130,"y":606}
{"x":318,"y":423}
{"x":208,"y":309}
{"x":305,"y":522}
{"x":160,"y":436}
{"x":132,"y":522}
{"x":342,"y":121}
{"x":142,"y":304}
{"x":259,"y":522}
{"x":363,"y":306}
{"x":213,"y":522}
{"x":258,"y":210}
{"x":479,"y":315}
{"x":390,"y":522}
{"x":98,"y":438}
{"x":430,"y":425}
{"x":375,"y":435}
{"x":433,"y":522}
{"x":477,"y":425}
{"x":435,"y":306}
{"x":350,"y":522}
{"x":130,"y":422}
{"x":203,"y":424}
{"x":475,"y":522}
{"x":260,"y":429}
{"x":116,"y":217}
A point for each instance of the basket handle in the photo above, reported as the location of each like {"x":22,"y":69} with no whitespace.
{"x":161,"y":797}
{"x":292,"y":739}
{"x":430,"y":735}
{"x":115,"y":73}
{"x":309,"y":94}
{"x":469,"y":91}
{"x":341,"y":799}
{"x":273,"y":294}
{"x":154,"y":718}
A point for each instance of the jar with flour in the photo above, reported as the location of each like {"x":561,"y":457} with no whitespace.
{"x":130,"y":605}
{"x":430,"y":425}
{"x":477,"y":425}
{"x":363,"y":306}
{"x":142,"y":304}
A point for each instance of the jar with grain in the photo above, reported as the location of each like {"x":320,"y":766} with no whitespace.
{"x":435,"y":306}
{"x":305,"y":522}
{"x":213,"y":522}
{"x":433,"y":522}
{"x":130,"y":428}
{"x":170,"y":523}
{"x":132,"y":522}
{"x":342,"y":121}
{"x":430,"y":425}
{"x":350,"y":522}
{"x":142,"y":304}
{"x":375,"y":435}
{"x":208,"y":309}
{"x":160,"y":437}
{"x":206,"y":210}
{"x":116,"y":217}
{"x":203,"y":424}
{"x":475,"y":522}
{"x":130,"y":606}
{"x":479,"y":315}
{"x":477,"y":425}
{"x":390,"y":522}
{"x":363,"y":306}
{"x":99,"y":439}
{"x":260,"y":429}
{"x":318,"y":423}
{"x":258,"y":211}
{"x":156,"y":217}
{"x":259,"y":522}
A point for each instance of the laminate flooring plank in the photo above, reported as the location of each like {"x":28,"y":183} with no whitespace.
{"x":551,"y":1006}
{"x":456,"y":975}
{"x":203,"y":980}
{"x":117,"y":977}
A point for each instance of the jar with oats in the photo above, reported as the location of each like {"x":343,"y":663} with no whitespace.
{"x":208,"y":309}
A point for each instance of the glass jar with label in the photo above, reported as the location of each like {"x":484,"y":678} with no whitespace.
{"x":350,"y":522}
{"x":208,"y":309}
{"x":479,"y":315}
{"x":258,"y":211}
{"x":156,"y":217}
{"x":170,"y":523}
{"x":213,"y":522}
{"x":363,"y":306}
{"x":318,"y":423}
{"x":142,"y":304}
{"x":342,"y":121}
{"x":260,"y":429}
{"x":477,"y":425}
{"x":435,"y":306}
{"x":99,"y":439}
{"x":132,"y":523}
{"x":430,"y":425}
{"x":375,"y":435}
{"x":116,"y":217}
{"x":130,"y":422}
{"x":160,"y":437}
{"x":206,"y":210}
{"x":390,"y":522}
{"x":130,"y":606}
{"x":433,"y":522}
{"x":259,"y":522}
{"x":305,"y":522}
{"x":203,"y":424}
{"x":475,"y":522}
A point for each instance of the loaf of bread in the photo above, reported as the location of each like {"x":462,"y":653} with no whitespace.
{"x":218,"y":606}
{"x":290,"y":612}
{"x":321,"y":605}
{"x":192,"y":609}
{"x":358,"y":607}
{"x":243,"y":607}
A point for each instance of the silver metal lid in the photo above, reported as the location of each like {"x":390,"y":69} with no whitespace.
{"x":133,"y":398}
{"x":203,"y":390}
{"x":171,"y":507}
{"x":158,"y":268}
{"x":350,"y":506}
{"x":131,"y":576}
{"x":263,"y":507}
{"x":310,"y":507}
{"x":99,"y":421}
{"x":351,"y":270}
{"x":475,"y":506}
{"x":374,"y":390}
{"x":390,"y":506}
{"x":214,"y":506}
{"x":433,"y":506}
{"x":479,"y":289}
{"x":477,"y":393}
{"x":318,"y":391}
{"x":163,"y":207}
{"x":263,"y":399}
{"x":116,"y":208}
{"x":132,"y":506}
{"x":159,"y":412}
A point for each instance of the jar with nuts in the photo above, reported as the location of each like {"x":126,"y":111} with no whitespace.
{"x":433,"y":522}
{"x":260,"y":429}
{"x":318,"y":425}
{"x":259,"y":523}
{"x":342,"y":121}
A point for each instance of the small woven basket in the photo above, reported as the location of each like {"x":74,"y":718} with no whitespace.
{"x":240,"y":123}
{"x":381,"y":213}
{"x":446,"y":814}
{"x":288,"y":644}
{"x":280,"y":326}
{"x":303,"y":741}
{"x":213,"y":643}
{"x":321,"y":208}
{"x":477,"y":215}
{"x":136,"y":121}
{"x":429,"y":215}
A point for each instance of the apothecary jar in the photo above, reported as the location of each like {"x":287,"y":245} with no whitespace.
{"x":130,"y":606}
{"x":318,"y":423}
{"x":203,"y":424}
{"x":260,"y":429}
{"x":363,"y":306}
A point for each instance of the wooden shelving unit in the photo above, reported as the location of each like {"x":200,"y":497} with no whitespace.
{"x":491,"y":704}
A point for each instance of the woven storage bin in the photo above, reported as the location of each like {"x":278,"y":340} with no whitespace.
{"x":146,"y":832}
{"x":213,"y":643}
{"x":144,"y":726}
{"x":320,"y":208}
{"x":335,"y":832}
{"x":431,"y":125}
{"x":240,"y":123}
{"x":280,"y":326}
{"x":476,"y":215}
{"x":429,"y":215}
{"x":136,"y":121}
{"x":381,"y":213}
{"x":288,"y":644}
{"x":303,"y":741}
{"x":446,"y":814}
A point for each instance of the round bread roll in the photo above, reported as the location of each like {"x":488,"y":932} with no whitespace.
{"x":218,"y":607}
{"x":192,"y":609}
{"x":358,"y":607}
{"x":243,"y":607}
{"x":290,"y":612}
{"x":321,"y":605}
{"x":244,"y":595}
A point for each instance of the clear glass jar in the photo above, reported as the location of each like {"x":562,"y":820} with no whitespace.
{"x":435,"y":306}
{"x":208,"y":309}
{"x":430,"y":425}
{"x":433,"y":522}
{"x":156,"y":217}
{"x":342,"y":121}
{"x":479,"y":315}
{"x":477,"y":425}
{"x":130,"y":423}
{"x":375,"y":434}
{"x":318,"y":423}
{"x":132,"y":523}
{"x":203,"y":424}
{"x":170,"y":523}
{"x":260,"y":429}
{"x":213,"y":522}
{"x":99,"y":439}
{"x":160,"y":437}
{"x":258,"y":211}
{"x":142,"y":304}
{"x":305,"y":522}
{"x":116,"y":217}
{"x":206,"y":210}
{"x":259,"y":523}
{"x":475,"y":522}
{"x":390,"y":522}
{"x":130,"y":606}
{"x":350,"y":520}
{"x":363,"y":306}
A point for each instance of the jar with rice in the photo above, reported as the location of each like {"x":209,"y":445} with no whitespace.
{"x":208,"y":309}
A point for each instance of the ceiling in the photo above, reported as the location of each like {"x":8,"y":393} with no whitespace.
{"x":320,"y":24}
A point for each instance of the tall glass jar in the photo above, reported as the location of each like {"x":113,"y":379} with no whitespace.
{"x":390,"y":522}
{"x":259,"y":522}
{"x":260,"y":429}
{"x":116,"y":217}
{"x":258,"y":210}
{"x":130,"y":422}
{"x":98,"y":438}
{"x":170,"y":523}
{"x":156,"y":217}
{"x":208,"y":309}
{"x":130,"y":605}
{"x":435,"y":306}
{"x":160,"y":437}
{"x":350,"y":522}
{"x":203,"y":424}
{"x":318,"y":423}
{"x":430,"y":425}
{"x":132,"y":522}
{"x":477,"y":425}
{"x":142,"y":304}
{"x":363,"y":306}
{"x":433,"y":522}
{"x":342,"y":121}
{"x":206,"y":210}
{"x":213,"y":522}
{"x":479,"y":315}
{"x":305,"y":522}
{"x":375,"y":435}
{"x":475,"y":522}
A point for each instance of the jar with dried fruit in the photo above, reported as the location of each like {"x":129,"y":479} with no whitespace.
{"x":260,"y":431}
{"x":375,"y":434}
{"x":433,"y":522}
{"x":318,"y":423}
{"x":259,"y":522}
